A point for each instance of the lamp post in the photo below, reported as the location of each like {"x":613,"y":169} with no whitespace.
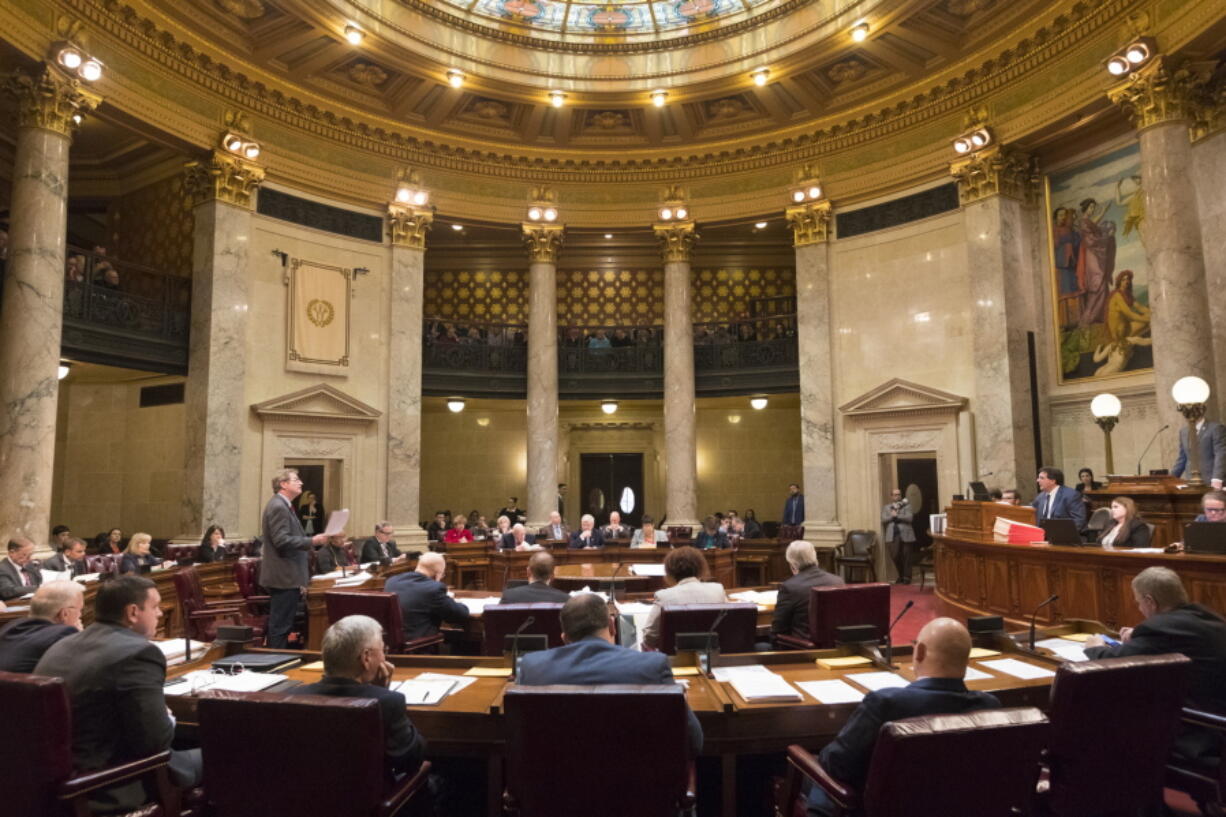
{"x":1106,"y":410}
{"x":1191,"y":393}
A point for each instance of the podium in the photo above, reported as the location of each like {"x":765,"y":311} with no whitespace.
{"x":974,"y":521}
{"x":1164,"y":501}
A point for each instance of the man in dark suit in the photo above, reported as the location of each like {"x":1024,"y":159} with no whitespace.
{"x":55,"y":613}
{"x":285,"y":566}
{"x":794,"y":506}
{"x":589,"y":656}
{"x":556,"y":530}
{"x":1172,"y":624}
{"x":792,"y":603}
{"x":355,"y":667}
{"x":587,"y":536}
{"x":1211,"y":439}
{"x":19,"y":574}
{"x":517,"y":539}
{"x":114,"y":678}
{"x":540,"y":573}
{"x":380,"y":546}
{"x":615,"y":529}
{"x":941,"y":652}
{"x":1056,"y":500}
{"x":331,"y":557}
{"x":436,"y":529}
{"x":424,"y":603}
{"x":71,"y":559}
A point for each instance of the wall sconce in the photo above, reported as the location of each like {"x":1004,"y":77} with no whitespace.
{"x":1191,"y":393}
{"x":455,"y":78}
{"x":557,"y":98}
{"x":1131,"y":57}
{"x":760,"y":76}
{"x":62,"y":372}
{"x":240,"y":145}
{"x":659,"y":97}
{"x":1106,"y":410}
{"x":455,"y":404}
{"x":608,"y":406}
{"x":353,"y":34}
{"x":72,"y":59}
{"x":806,"y":192}
{"x":859,"y":32}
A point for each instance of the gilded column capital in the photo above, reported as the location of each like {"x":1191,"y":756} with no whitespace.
{"x":810,"y":223}
{"x":222,"y":177}
{"x":996,"y":171}
{"x":1211,"y":115}
{"x":543,"y":241}
{"x":407,"y":226}
{"x":676,"y":239}
{"x":50,"y":100}
{"x":1163,"y":91}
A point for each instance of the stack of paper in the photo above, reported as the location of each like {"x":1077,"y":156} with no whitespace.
{"x":1067,"y":649}
{"x":55,"y":575}
{"x":647,"y":570}
{"x":353,"y":579}
{"x":587,"y":589}
{"x":202,"y":679}
{"x":831,"y":692}
{"x":634,"y":608}
{"x":175,"y":650}
{"x":762,"y":598}
{"x":1018,"y":669}
{"x":476,"y":606}
{"x":877,"y":680}
{"x":1016,"y":533}
{"x":757,"y":684}
{"x":844,"y":662}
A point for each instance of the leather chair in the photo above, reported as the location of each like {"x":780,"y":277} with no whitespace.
{"x":679,"y":534}
{"x":37,"y":754}
{"x":176,"y":553}
{"x":995,"y":753}
{"x":650,"y":778}
{"x":383,"y":608}
{"x":102,"y":562}
{"x":736,"y":630}
{"x":500,"y":620}
{"x":834,"y":607}
{"x":790,"y":533}
{"x":241,"y":732}
{"x":1113,"y":721}
{"x":858,"y":552}
{"x":200,"y":616}
{"x":1204,"y":783}
{"x":247,"y":577}
{"x":1099,"y":519}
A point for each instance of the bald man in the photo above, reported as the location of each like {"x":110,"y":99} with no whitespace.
{"x":424,"y":603}
{"x":941,"y":653}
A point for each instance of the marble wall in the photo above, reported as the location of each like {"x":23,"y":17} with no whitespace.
{"x":746,"y":458}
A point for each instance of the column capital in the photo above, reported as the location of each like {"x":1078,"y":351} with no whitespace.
{"x":676,"y":239}
{"x":1163,"y":91}
{"x":407,"y":226}
{"x":50,"y":100}
{"x":1211,"y":116}
{"x":996,"y":171}
{"x":810,"y":223}
{"x":222,"y":177}
{"x":543,"y":241}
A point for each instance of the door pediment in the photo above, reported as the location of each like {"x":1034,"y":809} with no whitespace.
{"x":319,"y":403}
{"x":900,"y":397}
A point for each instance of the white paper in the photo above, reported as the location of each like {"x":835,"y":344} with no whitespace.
{"x":55,"y":575}
{"x":759,"y":597}
{"x":757,"y":686}
{"x":1018,"y":669}
{"x":1068,"y":650}
{"x":461,"y":681}
{"x":352,"y":579}
{"x":88,"y":577}
{"x":832,"y":691}
{"x":727,"y":674}
{"x":174,"y":650}
{"x":337,"y":520}
{"x":476,"y":606}
{"x":207,"y":679}
{"x":425,"y":693}
{"x":973,"y":674}
{"x":647,"y":570}
{"x":634,"y":608}
{"x":877,"y":680}
{"x":587,"y":589}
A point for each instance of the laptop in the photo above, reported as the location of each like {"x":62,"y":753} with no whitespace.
{"x":1061,"y":532}
{"x":979,"y":492}
{"x":1204,"y":537}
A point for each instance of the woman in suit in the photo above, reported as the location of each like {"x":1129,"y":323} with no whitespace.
{"x":684,"y":569}
{"x":647,"y":536}
{"x":311,"y":513}
{"x":137,"y":554}
{"x":212,"y":545}
{"x":1127,"y":529}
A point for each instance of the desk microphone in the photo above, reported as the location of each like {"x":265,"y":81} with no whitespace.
{"x":712,"y":636}
{"x":515,"y":642}
{"x":1150,"y":445}
{"x":889,"y":644}
{"x":613,"y":584}
{"x":1035,"y":615}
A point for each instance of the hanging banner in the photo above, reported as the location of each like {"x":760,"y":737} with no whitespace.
{"x":318,"y":310}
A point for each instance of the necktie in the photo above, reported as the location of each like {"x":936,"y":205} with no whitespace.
{"x":25,"y":577}
{"x":1047,"y":509}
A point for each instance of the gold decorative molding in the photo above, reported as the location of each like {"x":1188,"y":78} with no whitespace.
{"x":222,"y":177}
{"x":1163,"y":91}
{"x":1211,"y":113}
{"x":676,"y":239}
{"x":49,"y":100}
{"x":407,"y":226}
{"x":996,"y":171}
{"x":543,"y":241}
{"x":810,"y":223}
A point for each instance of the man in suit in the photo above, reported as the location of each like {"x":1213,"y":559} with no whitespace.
{"x":380,"y":546}
{"x":540,"y":573}
{"x":331,"y":556}
{"x":55,"y":613}
{"x":19,"y":574}
{"x":615,"y":529}
{"x":685,"y":567}
{"x":794,"y":506}
{"x":70,"y":559}
{"x":900,"y":534}
{"x":940,"y":656}
{"x":517,"y":539}
{"x":589,"y":656}
{"x":1172,"y":624}
{"x":355,"y":667}
{"x":1211,"y":439}
{"x":556,"y":530}
{"x":424,"y":603}
{"x":436,"y":529}
{"x":562,"y":500}
{"x":1056,"y":500}
{"x":587,"y":536}
{"x":285,"y":566}
{"x":792,"y":604}
{"x":114,"y":678}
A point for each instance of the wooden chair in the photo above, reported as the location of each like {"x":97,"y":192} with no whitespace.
{"x":736,"y":630}
{"x":858,"y":552}
{"x":925,"y":565}
{"x":834,"y":607}
{"x":383,"y":608}
{"x":790,"y":533}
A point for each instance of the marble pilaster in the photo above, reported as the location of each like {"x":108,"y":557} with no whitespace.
{"x":1208,"y":168}
{"x":543,"y":242}
{"x":680,"y":448}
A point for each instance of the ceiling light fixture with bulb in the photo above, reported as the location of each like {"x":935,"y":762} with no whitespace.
{"x":455,"y":78}
{"x":353,"y":34}
{"x":1131,"y":57}
{"x":758,"y":403}
{"x":973,"y":140}
{"x":859,"y":32}
{"x":240,"y":145}
{"x":455,"y":404}
{"x":761,"y":76}
{"x":71,"y":58}
{"x":608,"y":406}
{"x":659,"y":97}
{"x":557,"y":98}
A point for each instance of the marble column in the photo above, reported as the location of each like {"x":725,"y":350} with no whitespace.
{"x":32,"y":319}
{"x":1208,"y":169}
{"x":680,"y":449}
{"x":997,"y":188}
{"x":543,"y":242}
{"x":407,"y":227}
{"x":810,"y":225}
{"x":221,"y":188}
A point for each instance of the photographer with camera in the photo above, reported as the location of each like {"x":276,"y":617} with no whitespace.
{"x":899,"y":534}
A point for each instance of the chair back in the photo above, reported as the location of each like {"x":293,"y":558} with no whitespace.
{"x":650,"y":776}
{"x":191,"y":599}
{"x":500,"y":620}
{"x":846,"y":605}
{"x":382,"y":607}
{"x":36,"y":750}
{"x":247,"y":577}
{"x":239,"y":732}
{"x":859,"y":542}
{"x":736,"y":630}
{"x":790,"y":533}
{"x":1113,"y":721}
{"x":682,"y":532}
{"x":1099,"y":519}
{"x":996,"y":753}
{"x":102,"y":562}
{"x":178,"y":552}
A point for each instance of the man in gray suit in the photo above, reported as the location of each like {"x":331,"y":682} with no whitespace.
{"x":792,"y":604}
{"x":19,"y":574}
{"x":285,"y":567}
{"x":899,"y":534}
{"x":71,"y":559}
{"x":1211,"y":437}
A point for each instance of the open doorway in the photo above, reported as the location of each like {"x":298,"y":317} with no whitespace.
{"x":915,"y":474}
{"x":611,"y":482}
{"x":323,"y":479}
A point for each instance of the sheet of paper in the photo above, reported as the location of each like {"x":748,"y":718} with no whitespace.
{"x":88,"y":577}
{"x":877,"y":680}
{"x":488,"y":672}
{"x":587,"y":589}
{"x":203,"y":679}
{"x":634,"y":608}
{"x":314,"y":666}
{"x":1018,"y":669}
{"x":337,"y":520}
{"x":679,"y":672}
{"x":973,"y":674}
{"x":763,"y":687}
{"x":981,"y":652}
{"x":684,"y":683}
{"x":476,"y":606}
{"x":352,"y":579}
{"x":765,"y":598}
{"x":833,"y":691}
{"x":1068,"y":650}
{"x":728,"y":673}
{"x":461,"y":681}
{"x":425,"y":693}
{"x":55,"y":575}
{"x":844,"y":662}
{"x":647,"y":569}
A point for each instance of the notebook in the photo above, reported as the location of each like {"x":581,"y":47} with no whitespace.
{"x":257,"y":661}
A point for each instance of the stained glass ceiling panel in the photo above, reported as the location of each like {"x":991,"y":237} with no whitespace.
{"x":613,"y":17}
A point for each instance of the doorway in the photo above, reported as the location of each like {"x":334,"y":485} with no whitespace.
{"x":320,"y":477}
{"x":611,"y":482}
{"x":916,"y":475}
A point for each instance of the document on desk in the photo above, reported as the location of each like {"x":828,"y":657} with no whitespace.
{"x":877,"y":680}
{"x":352,"y":579}
{"x":202,"y":679}
{"x":833,"y":691}
{"x":417,"y":692}
{"x":727,"y":674}
{"x":764,"y":687}
{"x":764,"y":598}
{"x":973,"y":674}
{"x":1018,"y":669}
{"x":62,"y":575}
{"x":1068,"y":650}
{"x":476,"y":606}
{"x":175,"y":650}
{"x":647,"y":569}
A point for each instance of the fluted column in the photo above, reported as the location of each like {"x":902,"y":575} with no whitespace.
{"x":407,"y":227}
{"x":680,"y":451}
{"x":33,"y":308}
{"x":221,"y":188}
{"x":543,"y":242}
{"x":810,"y":225}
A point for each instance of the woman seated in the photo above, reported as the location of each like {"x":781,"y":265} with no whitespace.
{"x":501,"y":527}
{"x":110,"y":542}
{"x":711,"y":537}
{"x":480,"y":528}
{"x":137,"y":556}
{"x":458,"y":532}
{"x":647,"y":536}
{"x":1126,"y":529}
{"x":753,"y":528}
{"x":212,"y":545}
{"x":684,"y":569}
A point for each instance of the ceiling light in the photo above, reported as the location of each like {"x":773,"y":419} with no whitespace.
{"x":557,"y":99}
{"x":534,"y":214}
{"x":814,"y":192}
{"x":962,"y":145}
{"x":354,"y":35}
{"x":859,"y":32}
{"x":761,"y":76}
{"x":550,"y":214}
{"x":608,"y":406}
{"x":251,"y":150}
{"x":455,"y":405}
{"x":666,"y":213}
{"x":62,"y":372}
{"x":70,"y":58}
{"x":455,"y":78}
{"x":457,"y":227}
{"x":757,"y":403}
{"x":682,"y":212}
{"x":1137,"y":53}
{"x":608,"y":235}
{"x":420,"y":198}
{"x":734,"y":418}
{"x":404,"y":195}
{"x":980,"y":138}
{"x":798,"y":196}
{"x":77,"y":119}
{"x":232,"y":143}
{"x":761,"y":225}
{"x":658,"y":98}
{"x":483,"y":421}
{"x":1116,"y":66}
{"x":91,"y":70}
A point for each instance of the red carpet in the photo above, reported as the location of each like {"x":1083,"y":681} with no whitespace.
{"x":924,"y":611}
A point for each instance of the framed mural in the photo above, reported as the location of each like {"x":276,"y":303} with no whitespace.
{"x":1099,"y":274}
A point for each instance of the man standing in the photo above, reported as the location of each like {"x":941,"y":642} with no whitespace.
{"x":586,"y":536}
{"x":380,"y":546}
{"x":1211,"y":439}
{"x":19,"y":575}
{"x":900,"y":534}
{"x":55,"y":613}
{"x":285,"y":568}
{"x":1056,"y":500}
{"x":424,"y":603}
{"x":540,"y":573}
{"x":794,"y":507}
{"x":70,"y":559}
{"x":792,"y":604}
{"x":562,"y":500}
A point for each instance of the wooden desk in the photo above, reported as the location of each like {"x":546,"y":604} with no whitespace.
{"x":1160,"y":500}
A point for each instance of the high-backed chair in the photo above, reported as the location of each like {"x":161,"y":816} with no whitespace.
{"x":653,"y":778}
{"x":857,"y":553}
{"x":1113,"y":721}
{"x":790,"y":533}
{"x":200,"y":616}
{"x":37,"y":754}
{"x":679,"y":533}
{"x":925,"y":564}
{"x":500,"y":620}
{"x":240,"y":732}
{"x":1205,"y":783}
{"x":383,"y":608}
{"x":995,"y":753}
{"x":736,"y":630}
{"x":1099,"y":519}
{"x":834,"y":607}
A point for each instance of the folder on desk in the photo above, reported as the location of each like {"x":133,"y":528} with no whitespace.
{"x":844,"y":662}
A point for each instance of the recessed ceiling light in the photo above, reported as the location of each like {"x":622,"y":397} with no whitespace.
{"x":659,"y":97}
{"x":455,"y":78}
{"x":761,"y":225}
{"x":859,"y":32}
{"x":761,"y":76}
{"x":353,"y":34}
{"x":608,"y":235}
{"x":457,"y":227}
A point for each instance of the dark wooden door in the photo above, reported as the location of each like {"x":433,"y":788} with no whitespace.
{"x":611,"y":482}
{"x":917,"y":478}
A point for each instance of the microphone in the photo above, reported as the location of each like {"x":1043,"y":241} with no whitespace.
{"x":1035,"y":614}
{"x":613,"y":584}
{"x":515,"y":642}
{"x":889,"y":644}
{"x":712,"y":634}
{"x":1150,"y":445}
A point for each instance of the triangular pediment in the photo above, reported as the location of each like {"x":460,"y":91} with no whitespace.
{"x":900,"y":396}
{"x":321,"y":402}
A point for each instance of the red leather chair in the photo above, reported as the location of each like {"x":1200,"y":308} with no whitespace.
{"x":383,"y":608}
{"x":1113,"y":721}
{"x":790,"y":533}
{"x":500,"y":620}
{"x":176,"y":552}
{"x":834,"y":607}
{"x":736,"y":630}
{"x":679,"y":534}
{"x":979,"y":764}
{"x":650,"y":778}
{"x":200,"y":616}
{"x":1205,"y":784}
{"x":247,"y":577}
{"x":36,"y":754}
{"x":241,"y":732}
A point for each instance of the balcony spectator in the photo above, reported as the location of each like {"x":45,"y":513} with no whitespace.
{"x":519,"y":338}
{"x":105,"y":274}
{"x":473,"y":338}
{"x":703,"y":335}
{"x":74,"y":269}
{"x":495,"y":336}
{"x":745,"y":333}
{"x":573,"y":337}
{"x":599,"y":340}
{"x":644,"y":337}
{"x":448,"y":334}
{"x":513,"y":512}
{"x":621,"y":339}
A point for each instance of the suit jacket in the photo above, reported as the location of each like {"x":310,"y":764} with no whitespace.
{"x":593,"y":660}
{"x":686,"y":591}
{"x":1212,"y":440}
{"x":371,"y":552}
{"x":562,"y":534}
{"x":533,"y":593}
{"x":424,"y":604}
{"x":330,"y":557}
{"x":23,"y":642}
{"x":794,"y":510}
{"x":207,"y":553}
{"x":404,"y":746}
{"x":618,"y":532}
{"x":1068,"y":505}
{"x":284,"y":563}
{"x":60,"y":562}
{"x":792,"y":605}
{"x":10,"y":579}
{"x":661,"y":537}
{"x":901,"y":522}
{"x":596,"y":541}
{"x":507,"y":541}
{"x":1137,"y":535}
{"x":131,"y":563}
{"x":114,"y":678}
